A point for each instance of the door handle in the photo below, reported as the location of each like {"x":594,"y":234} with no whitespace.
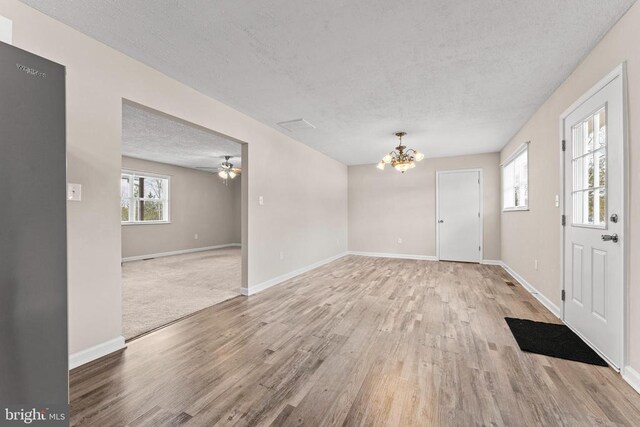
{"x":440,"y":221}
{"x":610,"y":237}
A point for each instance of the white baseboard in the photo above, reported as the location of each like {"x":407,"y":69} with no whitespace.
{"x":399,"y":256}
{"x":96,"y":352}
{"x":533,"y":291}
{"x":632,"y":377}
{"x":179,"y":252}
{"x":276,"y":280}
{"x":492,"y":262}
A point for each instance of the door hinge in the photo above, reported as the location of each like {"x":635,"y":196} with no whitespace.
{"x":478,"y":214}
{"x":564,"y":145}
{"x":562,"y":295}
{"x":479,"y":248}
{"x":564,"y":220}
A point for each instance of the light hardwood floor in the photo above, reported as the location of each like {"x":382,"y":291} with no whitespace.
{"x":361,"y":341}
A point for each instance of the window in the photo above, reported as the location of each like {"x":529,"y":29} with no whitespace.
{"x":589,"y":164}
{"x":144,"y":198}
{"x":515,"y":181}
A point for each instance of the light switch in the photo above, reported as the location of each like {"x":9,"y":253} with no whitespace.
{"x":557,"y":201}
{"x":261,"y":200}
{"x":74,"y":192}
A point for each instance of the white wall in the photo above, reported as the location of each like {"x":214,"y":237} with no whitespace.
{"x":386,"y":205}
{"x":6,"y":30}
{"x":534,"y":234}
{"x":199,"y":203}
{"x":305,"y":211}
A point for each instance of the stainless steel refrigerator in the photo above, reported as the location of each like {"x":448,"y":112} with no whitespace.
{"x":33,"y":247}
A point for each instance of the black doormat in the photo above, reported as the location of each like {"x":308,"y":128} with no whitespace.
{"x":552,"y":340}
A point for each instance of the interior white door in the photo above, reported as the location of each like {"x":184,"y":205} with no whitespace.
{"x":458,"y":216}
{"x":593,"y":240}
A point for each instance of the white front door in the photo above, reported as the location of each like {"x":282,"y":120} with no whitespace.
{"x":593,"y":201}
{"x":458,"y":216}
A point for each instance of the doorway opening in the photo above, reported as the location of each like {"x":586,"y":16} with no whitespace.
{"x":181,"y":219}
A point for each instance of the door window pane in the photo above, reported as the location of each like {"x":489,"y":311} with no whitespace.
{"x":589,"y":170}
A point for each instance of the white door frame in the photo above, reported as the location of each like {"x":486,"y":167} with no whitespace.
{"x":438,"y":173}
{"x":619,"y":71}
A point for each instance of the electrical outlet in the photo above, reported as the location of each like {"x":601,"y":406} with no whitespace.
{"x":261,"y":201}
{"x":195,"y":236}
{"x":399,"y":239}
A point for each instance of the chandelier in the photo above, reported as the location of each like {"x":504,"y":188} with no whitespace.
{"x":401,"y":159}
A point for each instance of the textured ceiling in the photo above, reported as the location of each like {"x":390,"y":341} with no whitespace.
{"x":157,"y":137}
{"x":460,"y":77}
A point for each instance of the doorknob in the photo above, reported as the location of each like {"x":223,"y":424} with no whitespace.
{"x":441,"y":221}
{"x":610,"y":237}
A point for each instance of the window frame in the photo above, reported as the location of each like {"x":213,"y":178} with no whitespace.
{"x":524,"y":148}
{"x":166,"y":199}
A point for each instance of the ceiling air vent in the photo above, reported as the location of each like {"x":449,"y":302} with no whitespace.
{"x":296,"y":125}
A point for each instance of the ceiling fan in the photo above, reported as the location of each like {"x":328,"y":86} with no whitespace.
{"x":225,"y":170}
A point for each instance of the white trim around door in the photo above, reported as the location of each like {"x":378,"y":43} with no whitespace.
{"x":618,"y":73}
{"x":481,"y":216}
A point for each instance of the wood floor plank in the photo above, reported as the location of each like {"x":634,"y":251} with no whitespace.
{"x":360,"y":341}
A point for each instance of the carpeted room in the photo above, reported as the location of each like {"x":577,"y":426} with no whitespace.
{"x":180,"y":213}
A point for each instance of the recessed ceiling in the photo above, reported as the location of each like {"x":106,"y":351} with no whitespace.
{"x":460,"y":77}
{"x":153,"y":136}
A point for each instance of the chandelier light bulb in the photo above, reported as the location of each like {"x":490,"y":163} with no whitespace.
{"x":222,"y":174}
{"x":232,"y":174}
{"x":419,"y":156}
{"x":387,"y":159}
{"x":381,"y":164}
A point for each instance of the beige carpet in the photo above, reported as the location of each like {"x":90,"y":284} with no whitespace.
{"x":158,"y":291}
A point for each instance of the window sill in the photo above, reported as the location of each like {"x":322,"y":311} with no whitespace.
{"x":522,"y":209}
{"x":146,"y":223}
